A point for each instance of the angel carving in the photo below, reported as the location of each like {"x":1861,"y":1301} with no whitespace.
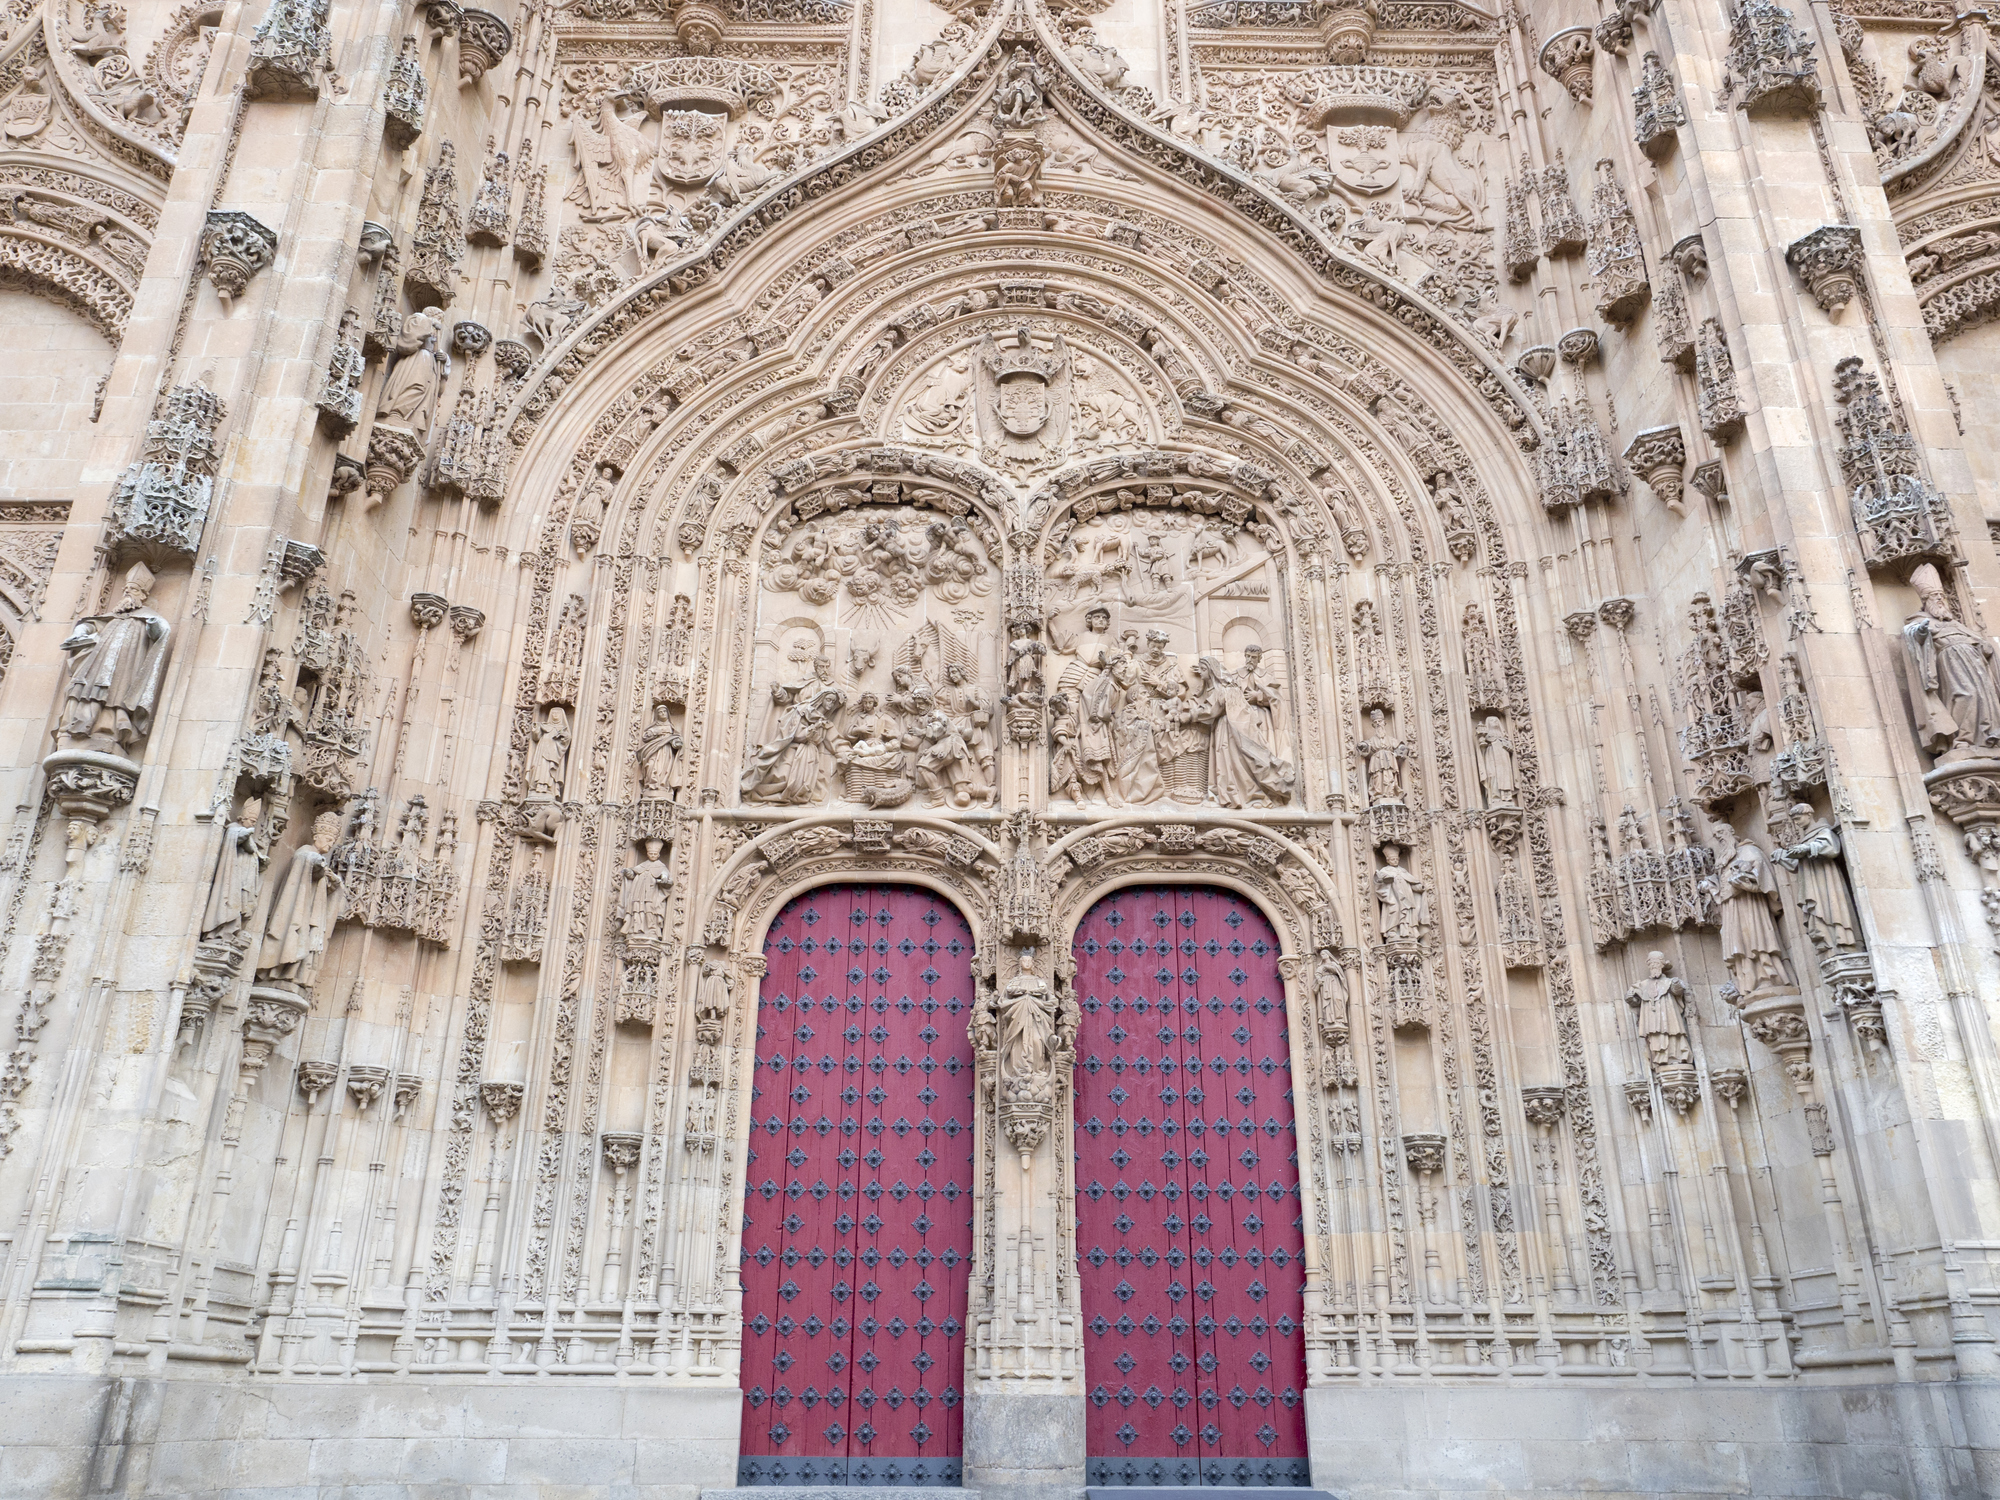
{"x":937,"y":410}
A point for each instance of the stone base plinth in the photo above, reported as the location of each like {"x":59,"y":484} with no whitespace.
{"x":193,"y":1437}
{"x":196,"y":1438}
{"x":1555,"y":1436}
{"x":1024,"y":1447}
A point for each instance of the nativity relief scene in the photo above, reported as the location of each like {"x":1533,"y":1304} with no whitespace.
{"x":1034,"y":748}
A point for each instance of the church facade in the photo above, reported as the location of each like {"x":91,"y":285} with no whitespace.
{"x":999,"y":745}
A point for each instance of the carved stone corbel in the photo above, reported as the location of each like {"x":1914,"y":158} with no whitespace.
{"x":1658,"y":456}
{"x":1968,"y":793}
{"x":1828,"y":262}
{"x":483,"y":39}
{"x":393,"y":456}
{"x":1569,"y":58}
{"x":235,"y":246}
{"x":1350,"y":31}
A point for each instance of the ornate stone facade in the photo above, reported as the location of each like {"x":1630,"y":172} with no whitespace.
{"x":701,"y":454}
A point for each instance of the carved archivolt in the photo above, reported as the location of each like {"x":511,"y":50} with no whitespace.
{"x":949,"y":104}
{"x":75,"y":222}
{"x":853,"y":510}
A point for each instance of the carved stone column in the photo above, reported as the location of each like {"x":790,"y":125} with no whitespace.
{"x":1779,"y":1022}
{"x":1024,"y":1410}
{"x":502,"y":1099}
{"x":1544,"y":1108}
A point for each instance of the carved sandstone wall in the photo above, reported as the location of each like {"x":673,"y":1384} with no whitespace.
{"x":1505,"y":494}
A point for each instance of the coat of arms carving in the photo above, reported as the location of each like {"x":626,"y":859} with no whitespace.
{"x":1023,"y":405}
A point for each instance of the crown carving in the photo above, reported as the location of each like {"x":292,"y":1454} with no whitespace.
{"x":1358,"y":95}
{"x":1023,"y":358}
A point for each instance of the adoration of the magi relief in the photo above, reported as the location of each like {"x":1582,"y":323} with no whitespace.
{"x":999,"y":746}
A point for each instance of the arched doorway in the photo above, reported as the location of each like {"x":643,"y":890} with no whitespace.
{"x":1189,"y":1228}
{"x":857,"y":1223}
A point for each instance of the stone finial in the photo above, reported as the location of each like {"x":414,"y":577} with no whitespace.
{"x":404,"y":96}
{"x":291,"y":51}
{"x":1720,"y":405}
{"x":162,"y":499}
{"x":1772,"y":67}
{"x":339,"y":400}
{"x":1657,"y":113}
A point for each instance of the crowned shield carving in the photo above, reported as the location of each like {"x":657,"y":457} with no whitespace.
{"x":1023,"y":400}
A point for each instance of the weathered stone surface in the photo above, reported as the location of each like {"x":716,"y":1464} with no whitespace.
{"x":1046,"y":453}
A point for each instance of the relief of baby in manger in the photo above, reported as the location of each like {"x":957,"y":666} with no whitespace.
{"x":877,"y":662}
{"x":880,"y":677}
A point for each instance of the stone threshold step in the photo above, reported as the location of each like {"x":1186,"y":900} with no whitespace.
{"x":841,"y":1492}
{"x":1202,"y":1492}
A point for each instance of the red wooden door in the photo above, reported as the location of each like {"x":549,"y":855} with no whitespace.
{"x":1188,"y":1214}
{"x":857,"y":1222}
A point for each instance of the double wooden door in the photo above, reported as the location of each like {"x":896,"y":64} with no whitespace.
{"x":1189,"y":1225}
{"x":857,"y":1224}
